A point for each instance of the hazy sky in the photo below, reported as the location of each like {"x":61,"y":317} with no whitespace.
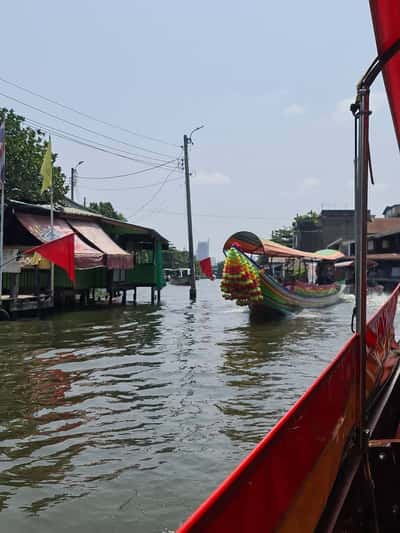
{"x":270,"y":80}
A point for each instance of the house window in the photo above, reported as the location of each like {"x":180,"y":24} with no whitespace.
{"x":119,"y":275}
{"x":385,"y":244}
{"x":144,"y":257}
{"x":370,"y":246}
{"x":396,"y":272}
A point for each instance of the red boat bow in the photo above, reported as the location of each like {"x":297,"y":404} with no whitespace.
{"x":386,"y":20}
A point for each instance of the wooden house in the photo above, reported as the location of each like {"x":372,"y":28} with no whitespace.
{"x":109,"y":254}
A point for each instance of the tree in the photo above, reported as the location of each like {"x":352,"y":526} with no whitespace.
{"x":107,"y":210}
{"x":173,"y":258}
{"x":25,"y":148}
{"x":310,"y":219}
{"x":283,"y":236}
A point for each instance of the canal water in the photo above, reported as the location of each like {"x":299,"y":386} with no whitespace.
{"x":125,"y":418}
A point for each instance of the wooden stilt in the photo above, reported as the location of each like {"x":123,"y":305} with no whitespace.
{"x":158,"y":296}
{"x":123,"y":297}
{"x":134,"y":295}
{"x":152,"y":295}
{"x":37,"y":288}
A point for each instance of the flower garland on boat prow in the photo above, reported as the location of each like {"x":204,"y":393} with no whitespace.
{"x":240,"y":279}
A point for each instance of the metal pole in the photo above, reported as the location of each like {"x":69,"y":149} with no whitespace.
{"x":192,"y":291}
{"x":3,"y":186}
{"x":361,"y":204}
{"x":72,"y":183}
{"x":52,"y":237}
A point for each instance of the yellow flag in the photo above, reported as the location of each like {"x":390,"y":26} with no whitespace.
{"x":46,"y":170}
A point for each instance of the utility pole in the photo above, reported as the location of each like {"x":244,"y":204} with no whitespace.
{"x":72,"y":182}
{"x":192,"y":291}
{"x":187,"y":139}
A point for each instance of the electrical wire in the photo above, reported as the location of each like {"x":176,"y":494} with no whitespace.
{"x":148,"y":186}
{"x":90,"y":117}
{"x":152,"y":197}
{"x":97,"y":147}
{"x":52,"y":129}
{"x":75,"y":125}
{"x":117,"y":176}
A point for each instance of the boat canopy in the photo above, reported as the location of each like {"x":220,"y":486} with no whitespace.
{"x":386,"y":21}
{"x":249,"y":242}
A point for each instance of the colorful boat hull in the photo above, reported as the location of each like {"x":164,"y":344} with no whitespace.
{"x":244,"y":281}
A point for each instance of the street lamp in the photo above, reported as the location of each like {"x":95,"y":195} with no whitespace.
{"x":73,"y":179}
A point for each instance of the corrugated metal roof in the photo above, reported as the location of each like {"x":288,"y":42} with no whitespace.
{"x":384,"y":225}
{"x":75,"y":210}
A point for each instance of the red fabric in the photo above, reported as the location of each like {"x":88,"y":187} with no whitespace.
{"x":39,"y":227}
{"x":61,"y":252}
{"x":115,"y":257}
{"x":386,"y":20}
{"x":206,"y":268}
{"x":260,"y":492}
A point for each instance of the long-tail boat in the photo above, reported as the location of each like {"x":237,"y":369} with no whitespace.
{"x":255,"y":284}
{"x":332,"y":463}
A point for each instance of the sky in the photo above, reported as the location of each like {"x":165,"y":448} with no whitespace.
{"x":270,"y":81}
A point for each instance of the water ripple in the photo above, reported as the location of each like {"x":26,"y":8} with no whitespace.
{"x":124,"y":419}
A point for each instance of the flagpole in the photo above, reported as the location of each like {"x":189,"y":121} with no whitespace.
{"x":2,"y":237}
{"x":52,"y":238}
{"x":2,"y":200}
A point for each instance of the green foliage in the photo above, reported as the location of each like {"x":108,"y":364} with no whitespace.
{"x":25,"y":148}
{"x":107,"y":210}
{"x":173,"y":258}
{"x":283,"y":236}
{"x":310,"y":219}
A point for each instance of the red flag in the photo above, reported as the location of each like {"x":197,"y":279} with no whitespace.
{"x":203,"y":256}
{"x":61,"y":252}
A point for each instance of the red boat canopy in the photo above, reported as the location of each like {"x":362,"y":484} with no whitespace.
{"x":115,"y":256}
{"x":249,"y":242}
{"x":386,"y":20}
{"x":39,"y":227}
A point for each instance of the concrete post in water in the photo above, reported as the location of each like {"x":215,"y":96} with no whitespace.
{"x":192,"y":292}
{"x":186,"y":141}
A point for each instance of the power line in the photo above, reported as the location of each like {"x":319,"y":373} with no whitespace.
{"x":148,"y":186}
{"x":129,"y":174}
{"x":72,"y":136}
{"x":75,"y":125}
{"x":152,"y":197}
{"x":126,"y":130}
{"x":66,"y":137}
{"x":97,"y":147}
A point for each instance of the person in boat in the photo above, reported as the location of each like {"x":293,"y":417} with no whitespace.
{"x":325,"y":273}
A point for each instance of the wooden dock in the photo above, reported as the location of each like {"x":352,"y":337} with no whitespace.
{"x":25,"y":303}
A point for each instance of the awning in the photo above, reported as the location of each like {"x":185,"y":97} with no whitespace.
{"x":249,"y":242}
{"x":386,"y":20}
{"x":115,"y":257}
{"x":39,"y":227}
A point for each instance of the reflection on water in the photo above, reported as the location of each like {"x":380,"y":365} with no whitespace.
{"x":124,"y":419}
